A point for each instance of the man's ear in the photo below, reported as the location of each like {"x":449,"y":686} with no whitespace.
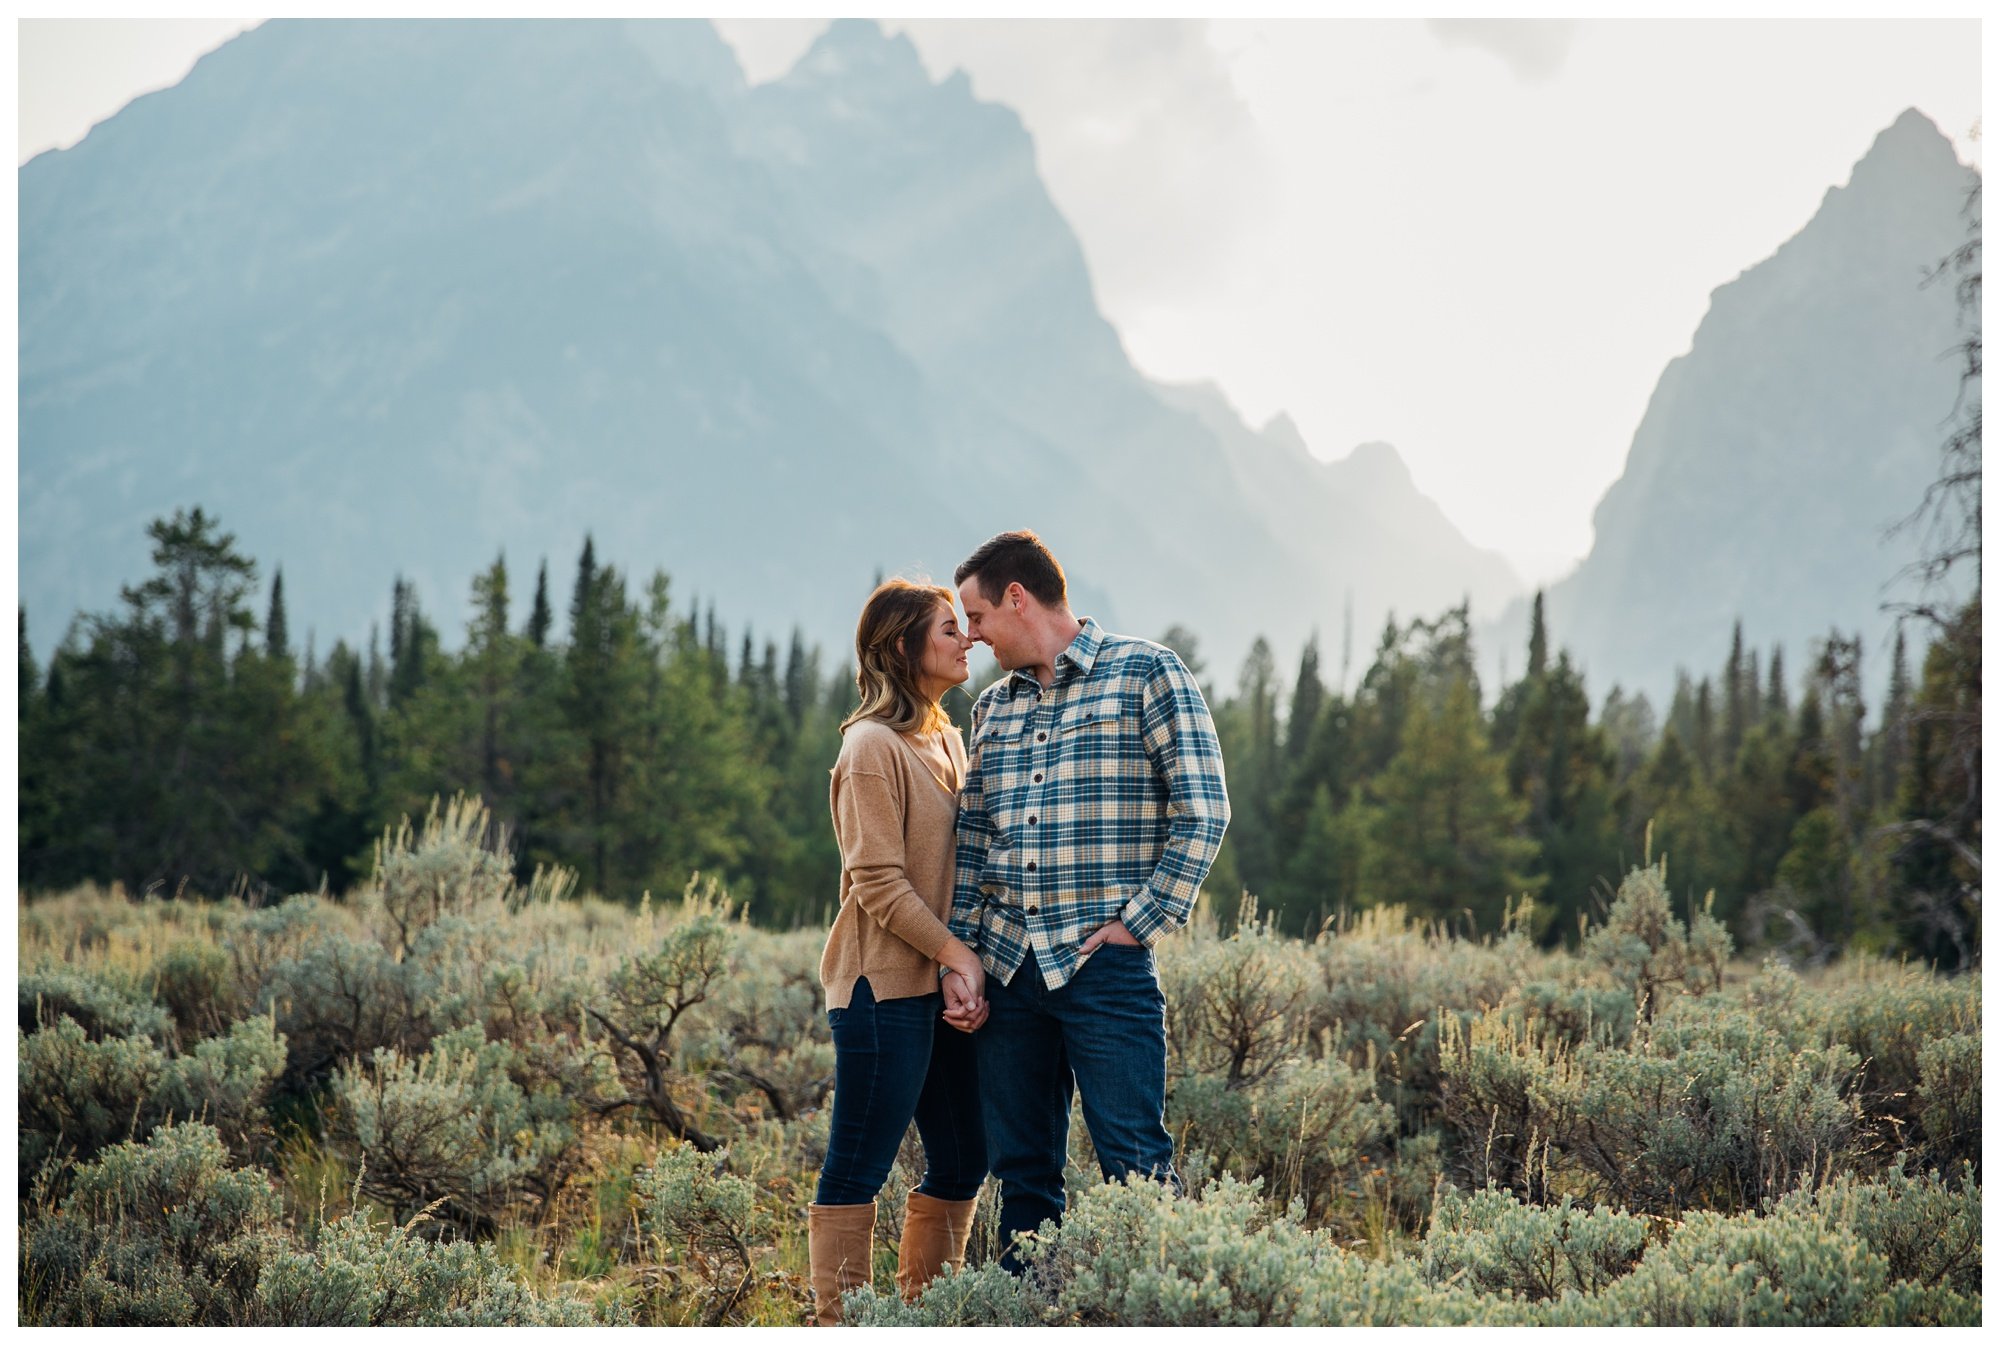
{"x":1015,"y":592}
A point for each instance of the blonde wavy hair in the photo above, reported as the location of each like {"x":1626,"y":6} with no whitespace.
{"x":888,"y":656}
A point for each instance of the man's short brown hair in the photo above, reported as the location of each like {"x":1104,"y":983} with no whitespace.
{"x":1015,"y":558}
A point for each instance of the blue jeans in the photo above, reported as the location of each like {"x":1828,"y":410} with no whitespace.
{"x":1103,"y":1035}
{"x":895,"y":1061}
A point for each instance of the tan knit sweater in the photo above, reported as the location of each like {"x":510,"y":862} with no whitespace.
{"x":894,"y":820}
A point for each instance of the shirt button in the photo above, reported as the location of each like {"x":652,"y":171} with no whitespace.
{"x":1038,"y":777}
{"x":1031,"y":866}
{"x":1034,"y":910}
{"x":1041,"y":737}
{"x":1031,"y":819}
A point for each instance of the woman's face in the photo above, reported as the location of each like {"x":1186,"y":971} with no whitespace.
{"x":943,"y":665}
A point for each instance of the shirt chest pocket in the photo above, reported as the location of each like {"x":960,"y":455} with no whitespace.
{"x":1100,"y":714}
{"x":1001,"y":726}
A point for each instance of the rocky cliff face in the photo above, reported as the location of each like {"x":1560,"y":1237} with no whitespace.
{"x":1805,"y":419}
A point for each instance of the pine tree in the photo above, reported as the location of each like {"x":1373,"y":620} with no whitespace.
{"x":540,"y":617}
{"x":1809,"y":779}
{"x":492,"y":657}
{"x":1892,"y":740}
{"x":602,"y":676}
{"x":1704,"y":727}
{"x":1937,"y":860}
{"x":1777,"y":699}
{"x":1308,"y":698}
{"x":1296,"y":780}
{"x":1251,"y":725}
{"x":1538,"y":640}
{"x":30,"y":678}
{"x":277,"y":638}
{"x":411,"y":640}
{"x":1445,"y":833}
{"x":1737,"y":696}
{"x":801,"y":680}
{"x":583,"y":593}
{"x":377,"y":680}
{"x":1680,"y":712}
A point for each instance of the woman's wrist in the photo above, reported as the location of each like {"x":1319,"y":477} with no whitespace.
{"x":956,"y":957}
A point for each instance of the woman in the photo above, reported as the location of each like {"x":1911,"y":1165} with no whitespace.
{"x":894,"y":797}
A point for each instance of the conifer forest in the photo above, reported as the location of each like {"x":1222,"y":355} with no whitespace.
{"x":479,"y":986}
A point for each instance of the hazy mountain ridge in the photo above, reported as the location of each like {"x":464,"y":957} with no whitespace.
{"x":391,"y":296}
{"x":1804,"y":420}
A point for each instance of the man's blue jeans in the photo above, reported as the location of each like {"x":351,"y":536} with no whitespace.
{"x":895,"y":1061}
{"x":1104,"y":1036}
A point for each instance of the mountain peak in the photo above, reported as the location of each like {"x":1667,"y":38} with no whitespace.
{"x":1378,"y":461}
{"x":858,"y":49}
{"x":1912,"y":142}
{"x":1282,"y":429}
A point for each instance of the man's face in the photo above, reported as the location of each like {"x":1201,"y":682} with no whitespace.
{"x":999,"y":626}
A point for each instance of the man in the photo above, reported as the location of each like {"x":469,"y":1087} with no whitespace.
{"x":1092,"y":808}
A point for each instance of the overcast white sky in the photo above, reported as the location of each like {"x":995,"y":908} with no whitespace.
{"x":1479,"y":240}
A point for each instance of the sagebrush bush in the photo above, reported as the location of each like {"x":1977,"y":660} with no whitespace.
{"x":446,"y":868}
{"x":451,"y":1125}
{"x":766,"y":1047}
{"x":1235,"y":1006}
{"x":652,"y":994}
{"x":1132,"y":1253}
{"x":1386,"y":984}
{"x":103,"y":1006}
{"x":1707,"y":1107}
{"x":1491,"y":1242}
{"x":160,"y":1233}
{"x":1887,"y":1014}
{"x":706,"y":1221}
{"x":225,"y":1080}
{"x":1650,"y":951}
{"x":1947,"y":1096}
{"x":79,"y":1096}
{"x":195,"y":982}
{"x":339,"y":998}
{"x":1299,"y":1131}
{"x":362,"y":1273}
{"x":1927,"y":1228}
{"x":1779,"y":1270}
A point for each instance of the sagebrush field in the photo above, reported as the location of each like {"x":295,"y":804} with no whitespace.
{"x":450,"y":1099}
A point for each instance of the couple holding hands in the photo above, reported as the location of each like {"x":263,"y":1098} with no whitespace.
{"x":998,"y":907}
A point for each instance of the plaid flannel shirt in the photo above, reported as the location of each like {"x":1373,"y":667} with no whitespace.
{"x":1096,"y":799}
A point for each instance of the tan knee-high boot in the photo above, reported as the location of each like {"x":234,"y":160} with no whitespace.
{"x":934,"y":1236}
{"x":840,"y":1243}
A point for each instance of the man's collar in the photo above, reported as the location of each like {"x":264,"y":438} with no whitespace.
{"x":1080,"y":653}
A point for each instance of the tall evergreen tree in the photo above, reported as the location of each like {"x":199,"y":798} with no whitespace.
{"x":602,"y":672}
{"x":1538,"y":640}
{"x":1777,"y":697}
{"x":277,"y":637}
{"x":540,"y":616}
{"x":492,"y":655}
{"x":1892,"y":748}
{"x":1737,"y":697}
{"x":1444,"y":837}
{"x":1308,"y":698}
{"x":411,"y":643}
{"x":1704,"y":727}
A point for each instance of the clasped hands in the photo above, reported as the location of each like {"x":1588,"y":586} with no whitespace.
{"x":964,"y":983}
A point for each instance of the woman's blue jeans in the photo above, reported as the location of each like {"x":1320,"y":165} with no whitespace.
{"x":895,"y":1061}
